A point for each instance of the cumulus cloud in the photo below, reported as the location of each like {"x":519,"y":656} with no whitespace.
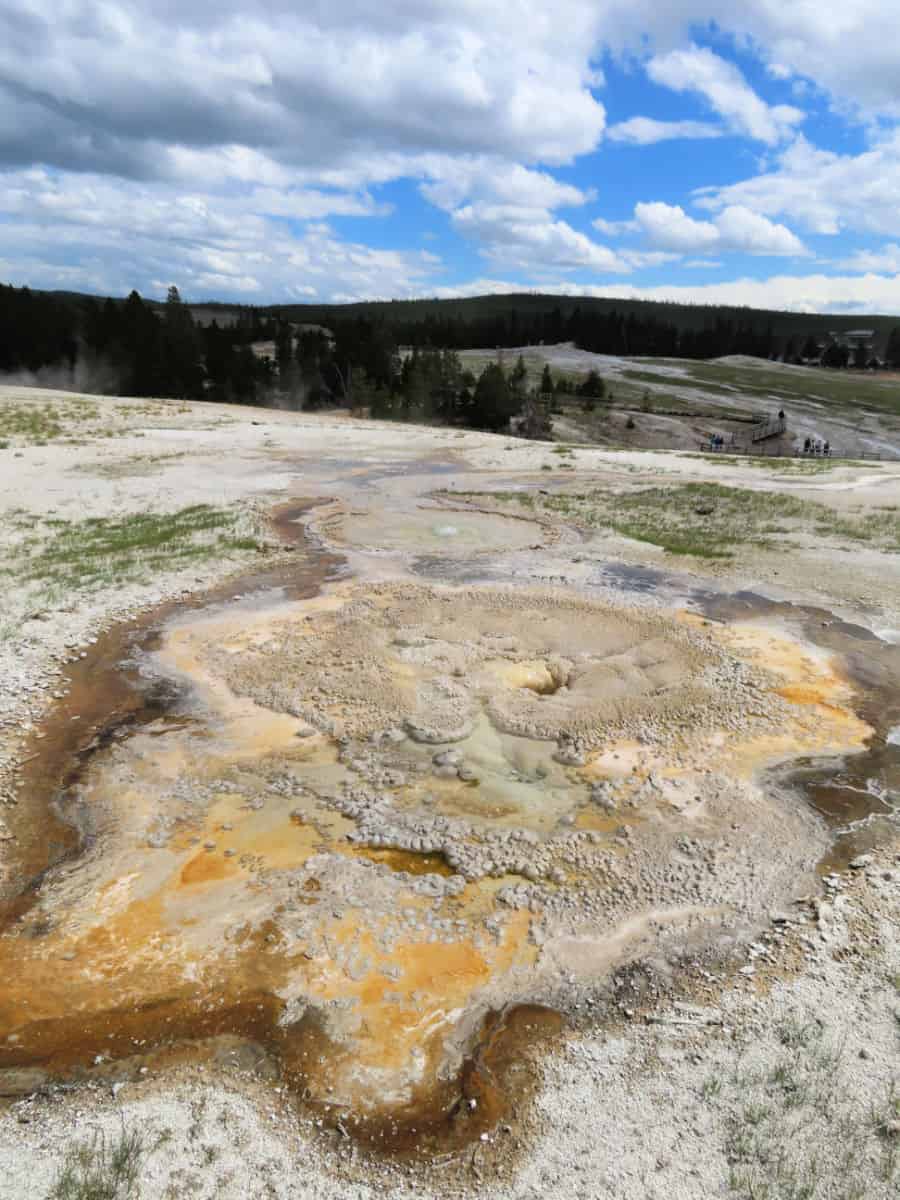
{"x":885,"y":259}
{"x":669,"y":225}
{"x":112,"y":86}
{"x":531,"y":240}
{"x":849,"y":50}
{"x":645,"y":131}
{"x":722,"y":85}
{"x":450,"y":182}
{"x":797,"y":293}
{"x":823,"y":190}
{"x":88,"y":232}
{"x":614,"y":228}
{"x":735,"y":228}
{"x":143,"y":140}
{"x":794,"y":293}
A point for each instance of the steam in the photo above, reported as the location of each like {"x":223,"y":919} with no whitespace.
{"x":94,"y":376}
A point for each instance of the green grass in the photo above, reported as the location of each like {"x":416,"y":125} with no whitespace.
{"x":792,"y":1131}
{"x":54,"y":558}
{"x":98,"y":1169}
{"x":37,"y":424}
{"x":708,"y":520}
{"x":784,"y":466}
{"x":846,"y":390}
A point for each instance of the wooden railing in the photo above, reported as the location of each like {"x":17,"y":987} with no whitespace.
{"x":774,"y":427}
{"x":781,"y":452}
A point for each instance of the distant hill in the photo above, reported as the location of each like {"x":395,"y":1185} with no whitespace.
{"x":529,"y":305}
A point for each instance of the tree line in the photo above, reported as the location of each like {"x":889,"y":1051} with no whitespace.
{"x":393,"y":366}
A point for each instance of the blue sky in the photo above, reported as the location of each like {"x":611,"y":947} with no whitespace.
{"x":348,"y":149}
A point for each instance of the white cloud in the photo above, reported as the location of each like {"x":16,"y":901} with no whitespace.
{"x":452,"y":181}
{"x":122,"y":235}
{"x":885,"y":259}
{"x":646,"y":258}
{"x":741,"y":229}
{"x":736,"y":228}
{"x":645,"y":131}
{"x":319,"y":85}
{"x":669,"y":225}
{"x":849,"y":49}
{"x":208,"y":126}
{"x":796,"y":293}
{"x":531,"y":240}
{"x":614,"y":228}
{"x":697,"y":69}
{"x":825,"y":191}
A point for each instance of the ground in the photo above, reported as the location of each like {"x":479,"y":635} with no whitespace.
{"x":411,"y":811}
{"x":664,"y":403}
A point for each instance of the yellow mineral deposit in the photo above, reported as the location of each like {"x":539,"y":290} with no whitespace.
{"x":214,"y":899}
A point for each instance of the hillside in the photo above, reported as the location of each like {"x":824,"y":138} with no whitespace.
{"x":530,"y":304}
{"x":509,"y":307}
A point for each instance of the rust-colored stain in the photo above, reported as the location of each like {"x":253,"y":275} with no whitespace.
{"x":812,"y":696}
{"x":181,"y":938}
{"x":206,"y":868}
{"x":410,"y":862}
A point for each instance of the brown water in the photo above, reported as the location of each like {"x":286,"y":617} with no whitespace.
{"x":113,"y":699}
{"x":858,"y":795}
{"x":107,"y":698}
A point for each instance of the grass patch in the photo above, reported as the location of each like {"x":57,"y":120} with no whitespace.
{"x":101,"y":1169}
{"x":51,"y":558}
{"x":792,"y":1131}
{"x":784,"y":466}
{"x":130,"y":466}
{"x":708,"y":520}
{"x":37,"y":424}
{"x":845,"y":391}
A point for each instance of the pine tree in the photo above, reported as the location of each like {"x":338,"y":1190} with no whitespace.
{"x":810,"y":348}
{"x":494,"y":402}
{"x":183,"y":358}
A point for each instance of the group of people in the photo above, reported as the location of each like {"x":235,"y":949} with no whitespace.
{"x":816,"y":446}
{"x":716,"y":442}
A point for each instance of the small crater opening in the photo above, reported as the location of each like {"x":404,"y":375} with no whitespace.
{"x":544,"y":679}
{"x":410,"y":862}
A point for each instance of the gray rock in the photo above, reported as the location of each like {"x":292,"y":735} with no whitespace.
{"x":22,"y":1081}
{"x":445,"y":758}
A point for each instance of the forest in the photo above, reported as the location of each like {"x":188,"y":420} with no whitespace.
{"x":395,"y":360}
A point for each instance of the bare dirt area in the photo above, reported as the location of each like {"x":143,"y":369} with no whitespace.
{"x":393,"y":810}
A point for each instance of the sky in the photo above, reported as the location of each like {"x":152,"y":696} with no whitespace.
{"x":269,"y":151}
